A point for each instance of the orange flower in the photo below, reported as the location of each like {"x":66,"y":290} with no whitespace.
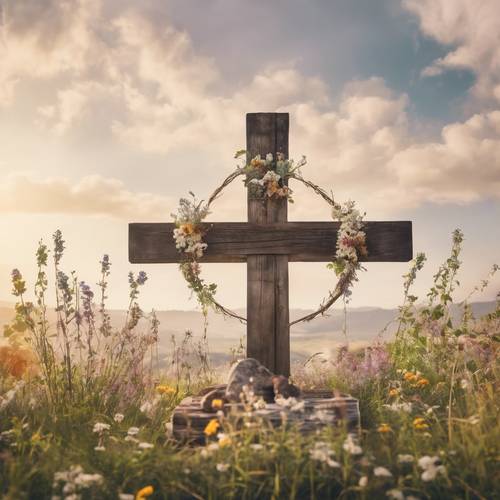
{"x":422,"y":382}
{"x":420,"y":424}
{"x":18,"y":361}
{"x":212,"y":427}
{"x":410,"y":376}
{"x":393,"y":392}
{"x":217,"y":404}
{"x":187,"y":228}
{"x":143,"y":493}
{"x":384,"y":428}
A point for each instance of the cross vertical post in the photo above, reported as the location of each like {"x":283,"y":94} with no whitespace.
{"x":268,"y":331}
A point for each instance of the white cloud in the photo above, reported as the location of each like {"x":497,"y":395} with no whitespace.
{"x":91,"y":195}
{"x":164,"y":97}
{"x":44,"y":39}
{"x":472,"y":29}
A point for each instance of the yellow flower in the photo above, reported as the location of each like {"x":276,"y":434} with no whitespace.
{"x":422,"y":382}
{"x":393,"y":392}
{"x":217,"y":404}
{"x":165,"y":389}
{"x":224,"y":441}
{"x":212,"y":427}
{"x":420,"y":424}
{"x":143,"y":493}
{"x":384,"y":428}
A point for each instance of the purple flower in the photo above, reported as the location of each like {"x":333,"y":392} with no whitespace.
{"x":63,"y":285}
{"x":18,"y":284}
{"x":141,"y":278}
{"x":87,"y":295}
{"x":58,"y":246}
{"x":105,"y":263}
{"x":358,"y":369}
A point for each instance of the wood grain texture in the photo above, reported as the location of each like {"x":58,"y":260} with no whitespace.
{"x":300,"y":241}
{"x":268,"y":330}
{"x":189,"y":421}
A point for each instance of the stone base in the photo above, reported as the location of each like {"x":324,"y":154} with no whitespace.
{"x":321,"y":408}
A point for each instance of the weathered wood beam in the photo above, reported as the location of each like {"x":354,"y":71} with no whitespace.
{"x":268,"y":331}
{"x":301,"y":241}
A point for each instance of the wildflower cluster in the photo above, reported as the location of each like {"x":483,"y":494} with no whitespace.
{"x":188,"y":234}
{"x":268,"y":177}
{"x":74,"y":483}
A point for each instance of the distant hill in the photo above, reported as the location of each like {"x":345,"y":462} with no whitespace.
{"x":324,"y":334}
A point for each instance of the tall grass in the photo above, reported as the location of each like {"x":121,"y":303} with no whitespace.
{"x":85,"y":411}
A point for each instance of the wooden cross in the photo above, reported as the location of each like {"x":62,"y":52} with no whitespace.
{"x":267,"y":243}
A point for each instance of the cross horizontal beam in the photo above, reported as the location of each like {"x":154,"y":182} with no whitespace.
{"x":301,"y":241}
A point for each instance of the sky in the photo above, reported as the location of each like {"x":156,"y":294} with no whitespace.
{"x":111,"y":110}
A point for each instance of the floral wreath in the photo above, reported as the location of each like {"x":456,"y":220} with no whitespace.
{"x":267,"y":178}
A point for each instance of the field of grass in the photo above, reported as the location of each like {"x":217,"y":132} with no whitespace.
{"x":84,"y":412}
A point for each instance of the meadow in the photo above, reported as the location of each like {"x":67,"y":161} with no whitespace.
{"x":85,"y":405}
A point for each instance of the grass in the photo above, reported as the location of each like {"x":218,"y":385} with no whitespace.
{"x":428,"y":400}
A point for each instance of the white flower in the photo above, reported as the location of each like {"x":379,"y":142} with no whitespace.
{"x":145,"y":446}
{"x":146,"y":407}
{"x":430,"y":468}
{"x":426,"y":461}
{"x":406,"y":459}
{"x":99,"y":448}
{"x":363,"y":481}
{"x":100,"y":427}
{"x":87,"y":480}
{"x":118,"y":418}
{"x":333,"y":464}
{"x":269,"y":157}
{"x":406,"y":407}
{"x":382,"y":472}
{"x":222,"y":467}
{"x":396,"y":494}
{"x":256,"y":446}
{"x":260,"y":404}
{"x":133,"y":431}
{"x":351,"y":447}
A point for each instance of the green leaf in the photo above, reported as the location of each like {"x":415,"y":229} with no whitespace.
{"x":240,"y":153}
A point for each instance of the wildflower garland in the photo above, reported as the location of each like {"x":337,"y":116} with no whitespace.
{"x":267,"y":178}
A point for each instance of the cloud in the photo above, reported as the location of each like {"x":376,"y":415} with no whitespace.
{"x":91,"y":195}
{"x":45,"y":39}
{"x":472,"y":29}
{"x":163,"y":97}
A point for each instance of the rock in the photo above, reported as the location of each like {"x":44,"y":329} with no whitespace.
{"x":284,"y":388}
{"x":252,"y":373}
{"x":210,"y":388}
{"x":206,"y":402}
